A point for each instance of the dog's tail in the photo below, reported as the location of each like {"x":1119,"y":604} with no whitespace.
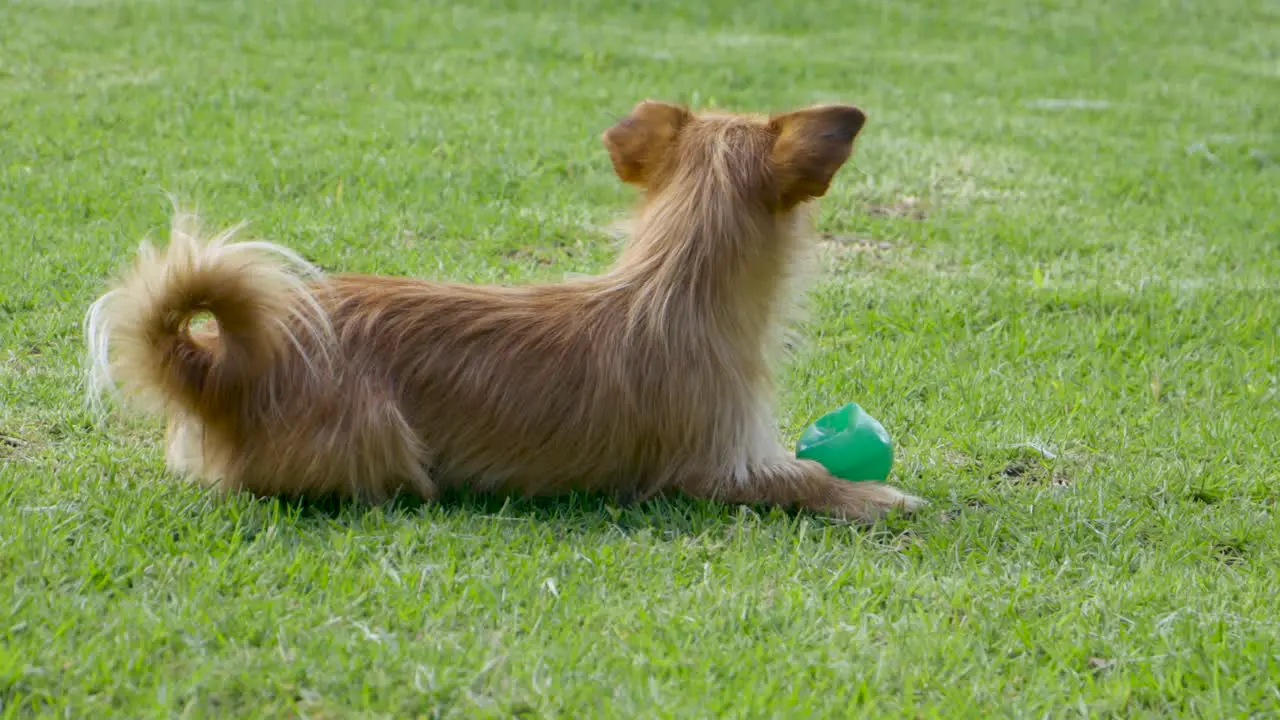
{"x":260,"y":296}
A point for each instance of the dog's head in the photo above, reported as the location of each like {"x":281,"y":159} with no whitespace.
{"x":782,"y":160}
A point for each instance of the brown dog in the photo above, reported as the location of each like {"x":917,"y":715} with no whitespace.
{"x":654,"y":376}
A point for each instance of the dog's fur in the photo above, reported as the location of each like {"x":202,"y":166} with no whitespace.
{"x":654,"y":376}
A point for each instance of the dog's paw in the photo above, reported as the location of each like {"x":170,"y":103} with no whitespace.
{"x":873,"y":501}
{"x":911,"y":504}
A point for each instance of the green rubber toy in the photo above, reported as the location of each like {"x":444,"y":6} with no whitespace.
{"x":849,"y":443}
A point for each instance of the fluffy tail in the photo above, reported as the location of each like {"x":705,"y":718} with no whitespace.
{"x":259,"y":295}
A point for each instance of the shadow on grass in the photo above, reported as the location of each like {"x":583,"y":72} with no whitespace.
{"x":670,"y":515}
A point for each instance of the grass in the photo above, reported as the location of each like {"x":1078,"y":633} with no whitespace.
{"x":1051,"y":272}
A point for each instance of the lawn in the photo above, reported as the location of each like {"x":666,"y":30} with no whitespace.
{"x":1052,"y":271}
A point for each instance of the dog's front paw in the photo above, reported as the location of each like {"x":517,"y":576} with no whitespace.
{"x":872,"y":501}
{"x":910,"y":503}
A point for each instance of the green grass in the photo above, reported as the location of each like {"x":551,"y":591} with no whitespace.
{"x":1052,"y":272}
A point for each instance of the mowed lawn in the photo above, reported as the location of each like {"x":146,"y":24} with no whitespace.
{"x":1052,"y":272}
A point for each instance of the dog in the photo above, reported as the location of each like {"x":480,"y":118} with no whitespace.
{"x":652,"y":377}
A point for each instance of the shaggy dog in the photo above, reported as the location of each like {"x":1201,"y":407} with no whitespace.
{"x":652,"y":377}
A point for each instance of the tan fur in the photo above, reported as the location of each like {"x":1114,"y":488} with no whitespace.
{"x":653,"y":376}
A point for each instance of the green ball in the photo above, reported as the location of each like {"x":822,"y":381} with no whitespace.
{"x":849,"y":443}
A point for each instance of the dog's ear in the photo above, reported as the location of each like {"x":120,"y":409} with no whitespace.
{"x":810,"y":145}
{"x":639,"y":142}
